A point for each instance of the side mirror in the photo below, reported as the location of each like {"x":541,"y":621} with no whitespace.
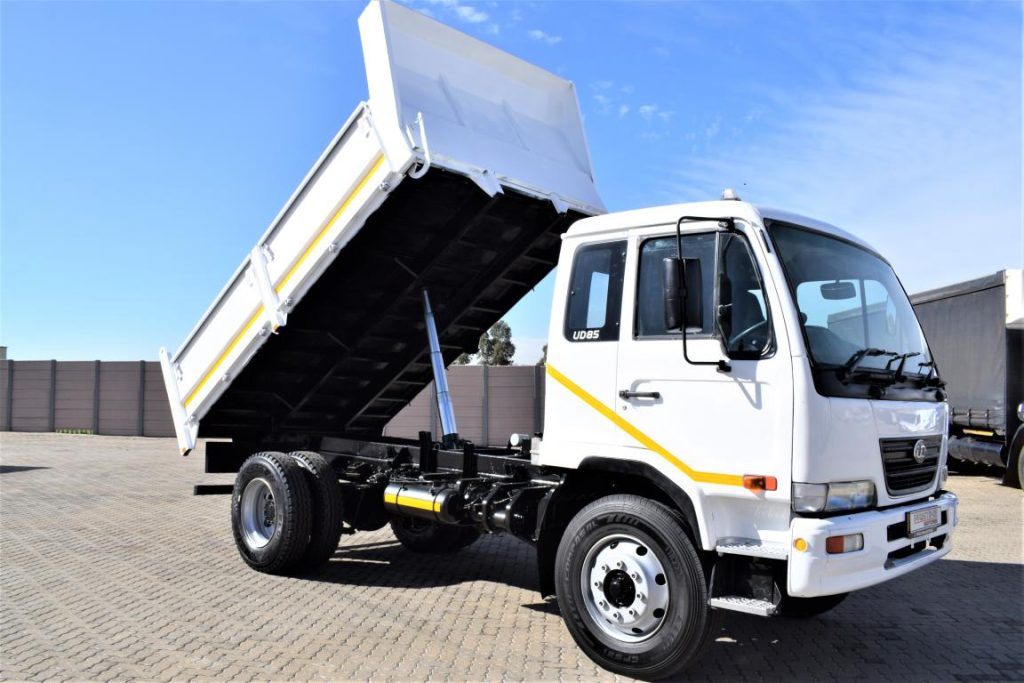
{"x":693,"y":301}
{"x":683,"y":291}
{"x":672,"y":292}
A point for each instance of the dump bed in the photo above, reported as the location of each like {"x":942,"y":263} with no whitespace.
{"x":459,"y":175}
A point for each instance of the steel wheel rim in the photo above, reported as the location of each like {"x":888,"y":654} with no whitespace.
{"x":258,"y":514}
{"x":625,"y":588}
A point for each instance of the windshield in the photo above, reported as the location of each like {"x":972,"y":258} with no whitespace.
{"x":859,"y":325}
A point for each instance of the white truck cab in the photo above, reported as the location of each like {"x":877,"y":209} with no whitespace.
{"x":803,"y":420}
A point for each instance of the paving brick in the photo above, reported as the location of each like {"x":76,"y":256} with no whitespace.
{"x":112,"y":570}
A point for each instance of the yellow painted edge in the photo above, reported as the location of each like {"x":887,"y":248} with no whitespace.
{"x":284,"y":280}
{"x":646,"y":441}
{"x":316,"y":240}
{"x":978,"y":432}
{"x":223,"y":356}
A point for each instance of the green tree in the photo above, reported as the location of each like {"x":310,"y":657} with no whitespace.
{"x":463,"y":359}
{"x":544,"y":357}
{"x":496,"y":347}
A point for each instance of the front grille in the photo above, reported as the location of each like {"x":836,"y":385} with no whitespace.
{"x":903,"y":474}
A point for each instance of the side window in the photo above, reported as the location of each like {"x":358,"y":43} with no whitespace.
{"x":595,"y":293}
{"x":650,"y":303}
{"x":742,"y":314}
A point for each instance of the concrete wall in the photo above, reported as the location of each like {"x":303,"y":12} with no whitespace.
{"x":491,"y":403}
{"x":128,"y":399}
{"x":117,"y":398}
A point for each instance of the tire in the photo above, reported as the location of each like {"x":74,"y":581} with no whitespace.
{"x":277,"y":546}
{"x":1014,"y":475}
{"x":325,"y":531}
{"x":661,"y":580}
{"x":422,"y":536}
{"x":803,"y":608}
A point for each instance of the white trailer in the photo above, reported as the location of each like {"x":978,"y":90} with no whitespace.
{"x":730,"y":425}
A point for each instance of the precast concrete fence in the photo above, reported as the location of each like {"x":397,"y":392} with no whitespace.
{"x":128,"y":399}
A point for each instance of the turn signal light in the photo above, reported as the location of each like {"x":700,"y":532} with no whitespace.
{"x":800,"y":544}
{"x":760,"y":482}
{"x":834,"y":545}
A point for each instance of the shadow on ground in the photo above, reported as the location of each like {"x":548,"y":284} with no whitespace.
{"x":10,"y":469}
{"x":497,"y":559}
{"x":914,"y":617}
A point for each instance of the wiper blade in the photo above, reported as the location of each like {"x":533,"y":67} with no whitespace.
{"x":932,"y":379}
{"x":851,"y":364}
{"x":902,"y":357}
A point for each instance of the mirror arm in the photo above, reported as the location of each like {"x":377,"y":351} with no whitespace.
{"x":725,"y":223}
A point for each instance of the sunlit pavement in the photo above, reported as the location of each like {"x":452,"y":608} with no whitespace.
{"x":111,"y":569}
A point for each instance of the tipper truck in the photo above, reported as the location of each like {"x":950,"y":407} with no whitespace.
{"x":726,"y":425}
{"x":976,"y":331}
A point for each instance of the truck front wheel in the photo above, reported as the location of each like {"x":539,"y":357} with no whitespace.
{"x":632,"y":589}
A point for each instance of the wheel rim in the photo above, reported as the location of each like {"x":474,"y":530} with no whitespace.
{"x":258,"y":513}
{"x":625,"y":588}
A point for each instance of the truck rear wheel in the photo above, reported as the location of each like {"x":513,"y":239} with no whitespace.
{"x":327,"y":509}
{"x":271,"y":512}
{"x":423,"y":536}
{"x":632,"y":589}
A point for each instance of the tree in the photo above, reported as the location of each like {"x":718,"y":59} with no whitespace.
{"x":544,"y":357}
{"x":496,"y":347}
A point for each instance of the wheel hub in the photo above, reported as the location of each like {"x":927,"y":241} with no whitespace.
{"x":619,"y":588}
{"x":258,"y":513}
{"x":625,"y":588}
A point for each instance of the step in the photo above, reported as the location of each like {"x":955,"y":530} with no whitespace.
{"x":753,"y":547}
{"x":736,"y":603}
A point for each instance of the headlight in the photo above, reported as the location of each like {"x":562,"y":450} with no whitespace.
{"x":1020,"y":411}
{"x":846,"y":495}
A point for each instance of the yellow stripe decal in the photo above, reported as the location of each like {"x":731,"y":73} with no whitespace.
{"x":316,"y":240}
{"x":978,"y":432}
{"x":223,"y":356}
{"x":284,"y":280}
{"x":646,"y":441}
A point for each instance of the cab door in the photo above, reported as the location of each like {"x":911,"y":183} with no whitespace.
{"x":701,"y":424}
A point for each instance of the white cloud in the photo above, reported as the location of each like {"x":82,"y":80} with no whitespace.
{"x":918,"y":152}
{"x":471,"y":14}
{"x":623,"y":110}
{"x":647,"y":111}
{"x":543,"y":37}
{"x":467,"y":13}
{"x":714,"y":127}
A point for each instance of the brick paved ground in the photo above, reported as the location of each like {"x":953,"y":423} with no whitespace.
{"x":110,"y":569}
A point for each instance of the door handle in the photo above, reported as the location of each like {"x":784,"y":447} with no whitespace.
{"x":626,"y":394}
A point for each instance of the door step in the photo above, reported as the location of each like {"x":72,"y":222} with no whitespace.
{"x":736,"y":603}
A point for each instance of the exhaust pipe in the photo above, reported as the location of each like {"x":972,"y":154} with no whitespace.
{"x":450,"y":432}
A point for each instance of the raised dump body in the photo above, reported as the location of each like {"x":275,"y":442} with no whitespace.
{"x":459,"y":175}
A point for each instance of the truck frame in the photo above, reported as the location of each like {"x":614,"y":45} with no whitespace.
{"x":728,"y":427}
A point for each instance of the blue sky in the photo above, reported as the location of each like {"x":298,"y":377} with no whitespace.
{"x":145,"y":146}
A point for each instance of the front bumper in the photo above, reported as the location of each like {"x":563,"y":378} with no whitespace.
{"x":814,"y":572}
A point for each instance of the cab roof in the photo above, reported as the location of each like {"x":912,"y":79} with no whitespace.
{"x":670,"y":213}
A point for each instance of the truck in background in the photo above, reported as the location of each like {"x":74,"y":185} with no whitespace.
{"x":975,"y":329}
{"x":727,"y":427}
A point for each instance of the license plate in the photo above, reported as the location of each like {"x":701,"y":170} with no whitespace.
{"x":922,"y":521}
